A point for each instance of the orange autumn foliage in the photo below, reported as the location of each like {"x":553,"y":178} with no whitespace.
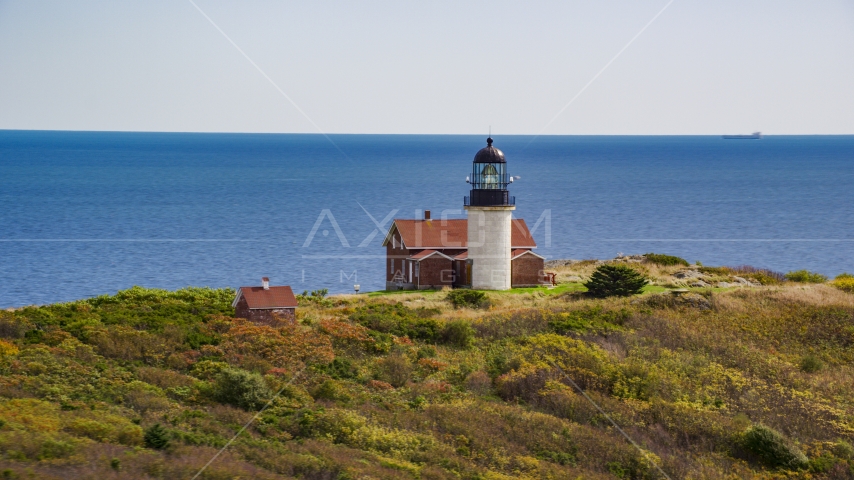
{"x":7,"y":348}
{"x":290,"y":347}
{"x":342,"y":330}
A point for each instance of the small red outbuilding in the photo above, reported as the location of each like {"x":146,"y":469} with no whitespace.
{"x":265,"y":304}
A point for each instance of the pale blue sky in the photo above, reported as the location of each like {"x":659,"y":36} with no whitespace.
{"x":703,"y":67}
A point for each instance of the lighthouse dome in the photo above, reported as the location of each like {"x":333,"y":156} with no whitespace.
{"x":489,"y":154}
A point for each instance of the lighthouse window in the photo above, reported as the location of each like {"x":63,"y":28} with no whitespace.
{"x":490,"y":177}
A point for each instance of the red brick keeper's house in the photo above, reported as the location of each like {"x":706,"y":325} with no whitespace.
{"x":424,"y":254}
{"x":265,"y":304}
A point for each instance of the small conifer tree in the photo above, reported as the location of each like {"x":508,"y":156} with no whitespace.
{"x":615,"y":280}
{"x":156,"y":437}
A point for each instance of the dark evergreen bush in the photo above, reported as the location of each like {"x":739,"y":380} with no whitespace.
{"x":772,"y":448}
{"x":615,"y":280}
{"x":467,"y":298}
{"x":242,"y":389}
{"x":156,"y":437}
{"x":666,"y":260}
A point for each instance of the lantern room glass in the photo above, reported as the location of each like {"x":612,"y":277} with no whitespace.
{"x":489,"y":176}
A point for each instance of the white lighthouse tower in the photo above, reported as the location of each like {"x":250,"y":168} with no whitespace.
{"x":490,"y":208}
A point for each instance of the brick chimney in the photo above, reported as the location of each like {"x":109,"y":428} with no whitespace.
{"x":265,"y":282}
{"x":426,"y":214}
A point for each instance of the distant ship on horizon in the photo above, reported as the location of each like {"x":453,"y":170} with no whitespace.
{"x":753,"y":136}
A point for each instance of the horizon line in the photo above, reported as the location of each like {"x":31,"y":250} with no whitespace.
{"x":427,"y":134}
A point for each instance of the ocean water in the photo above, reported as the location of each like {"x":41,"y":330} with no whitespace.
{"x":89,"y":213}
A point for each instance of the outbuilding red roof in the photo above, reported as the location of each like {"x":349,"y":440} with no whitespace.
{"x":274,"y":297}
{"x":452,"y":233}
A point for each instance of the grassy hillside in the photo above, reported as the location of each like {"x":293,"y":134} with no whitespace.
{"x":719,"y":382}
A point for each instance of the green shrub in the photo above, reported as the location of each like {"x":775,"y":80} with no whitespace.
{"x":805,"y":276}
{"x":772,"y":448}
{"x":426,"y":351}
{"x":811,"y":364}
{"x":382,"y":342}
{"x":615,"y":280}
{"x":330,"y":390}
{"x":467,"y":298}
{"x":316,"y":296}
{"x":242,"y":389}
{"x":351,"y":428}
{"x":666,"y":260}
{"x":34,"y":336}
{"x":145,"y":307}
{"x":156,"y":437}
{"x":400,"y":320}
{"x":843,"y":450}
{"x":458,"y":333}
{"x":426,"y":329}
{"x":339,"y":368}
{"x":394,"y":370}
{"x":763,"y":277}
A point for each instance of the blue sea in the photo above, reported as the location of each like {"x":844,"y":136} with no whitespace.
{"x":90,"y":213}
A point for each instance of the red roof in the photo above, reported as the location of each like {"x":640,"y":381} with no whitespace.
{"x":274,"y":297}
{"x":417,"y":234}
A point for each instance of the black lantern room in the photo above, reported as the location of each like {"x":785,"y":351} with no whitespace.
{"x":489,"y":179}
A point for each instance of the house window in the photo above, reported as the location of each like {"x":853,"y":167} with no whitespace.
{"x":394,"y":241}
{"x":410,"y":272}
{"x":417,"y":270}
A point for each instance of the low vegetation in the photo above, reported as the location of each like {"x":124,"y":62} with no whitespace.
{"x":665,"y":260}
{"x":844,"y":282}
{"x":718,"y":383}
{"x":805,"y":276}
